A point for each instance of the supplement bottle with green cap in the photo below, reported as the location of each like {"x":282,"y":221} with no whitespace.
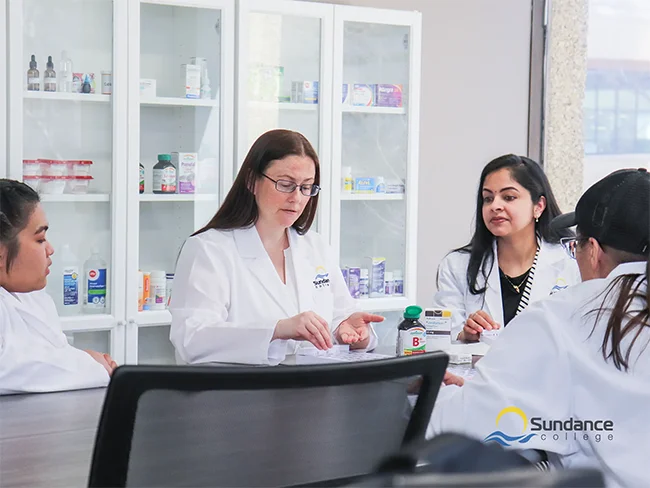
{"x":164,"y":175}
{"x":411,"y":334}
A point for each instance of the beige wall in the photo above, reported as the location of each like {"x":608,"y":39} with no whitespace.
{"x":475,"y":70}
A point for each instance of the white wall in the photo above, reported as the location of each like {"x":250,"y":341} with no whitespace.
{"x":475,"y":71}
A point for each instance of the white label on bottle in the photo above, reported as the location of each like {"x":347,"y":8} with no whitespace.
{"x":71,"y":286}
{"x":33,"y":81}
{"x":49,"y":80}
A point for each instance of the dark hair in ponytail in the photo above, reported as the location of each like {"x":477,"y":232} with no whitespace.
{"x":17,"y":202}
{"x":629,"y":288}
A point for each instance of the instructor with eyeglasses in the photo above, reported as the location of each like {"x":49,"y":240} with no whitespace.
{"x":255,"y":283}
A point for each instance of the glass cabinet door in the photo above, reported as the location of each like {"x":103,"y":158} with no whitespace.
{"x":283,"y":49}
{"x":180,"y":156}
{"x":375,"y":149}
{"x":65,"y":124}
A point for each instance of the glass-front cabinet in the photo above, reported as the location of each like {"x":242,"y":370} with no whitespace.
{"x":67,"y":127}
{"x":285,"y":79}
{"x":180,"y":151}
{"x":375,"y":145}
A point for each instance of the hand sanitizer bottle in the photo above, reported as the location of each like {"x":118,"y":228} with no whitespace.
{"x":95,"y":281}
{"x":65,"y":73}
{"x":71,"y":280}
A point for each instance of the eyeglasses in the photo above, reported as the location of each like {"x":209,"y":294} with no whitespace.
{"x":286,"y":186}
{"x":570,"y":244}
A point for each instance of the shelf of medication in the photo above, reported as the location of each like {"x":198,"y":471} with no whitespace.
{"x":372,"y":196}
{"x":179,"y":102}
{"x":177,"y":197}
{"x":385,"y":304}
{"x":152,"y":318}
{"x":302,"y":107}
{"x":374,"y":110}
{"x":64,"y":96}
{"x":90,"y":322}
{"x":88,"y":197}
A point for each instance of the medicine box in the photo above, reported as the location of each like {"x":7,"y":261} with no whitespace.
{"x":364,"y":185}
{"x":186,"y":166}
{"x":190,"y":81}
{"x":437,"y":323}
{"x":346,"y":94}
{"x":363,"y":95}
{"x":388,"y":95}
{"x":304,"y":92}
{"x":147,"y":88}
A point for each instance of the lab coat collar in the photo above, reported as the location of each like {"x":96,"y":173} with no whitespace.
{"x":250,"y":248}
{"x":34,"y":316}
{"x":493,"y":300}
{"x":302,"y":265}
{"x":637,"y":267}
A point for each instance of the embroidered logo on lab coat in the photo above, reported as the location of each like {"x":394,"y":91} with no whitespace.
{"x":322,"y":278}
{"x":560,"y":285}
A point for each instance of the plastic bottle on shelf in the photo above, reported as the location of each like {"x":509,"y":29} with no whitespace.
{"x":206,"y":91}
{"x":164,"y":175}
{"x":158,"y":290}
{"x":95,"y":280}
{"x":348,"y":182}
{"x":49,"y":77}
{"x":71,"y":304}
{"x":141,"y":178}
{"x":380,"y":185}
{"x":33,"y":76}
{"x":65,"y":73}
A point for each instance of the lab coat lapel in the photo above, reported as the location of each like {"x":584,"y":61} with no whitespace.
{"x":251,"y":249}
{"x":551,"y":259}
{"x":493,"y":300}
{"x":304,"y":271}
{"x":34,"y":316}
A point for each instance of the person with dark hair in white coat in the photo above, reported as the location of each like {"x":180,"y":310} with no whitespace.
{"x":514,"y":257}
{"x":571,"y":374}
{"x":34,"y":353}
{"x":255,"y":283}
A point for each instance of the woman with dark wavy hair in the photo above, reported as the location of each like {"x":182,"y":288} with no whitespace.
{"x":255,"y":282}
{"x":514,"y":257}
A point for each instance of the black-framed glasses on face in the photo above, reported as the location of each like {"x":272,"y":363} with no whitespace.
{"x":286,"y":186}
{"x":570,"y":244}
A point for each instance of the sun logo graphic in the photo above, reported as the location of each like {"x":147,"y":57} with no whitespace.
{"x":505,"y":439}
{"x":560,"y":285}
{"x":322,"y":278}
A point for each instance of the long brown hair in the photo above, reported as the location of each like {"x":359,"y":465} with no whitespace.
{"x":623,"y":321}
{"x":239,"y":209}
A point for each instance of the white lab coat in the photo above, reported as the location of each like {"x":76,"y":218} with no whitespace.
{"x":34,"y":353}
{"x":555,"y":271}
{"x":548,"y":362}
{"x":228,"y":296}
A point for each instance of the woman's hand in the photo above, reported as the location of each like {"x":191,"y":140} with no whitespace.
{"x":475,"y":324}
{"x":355,"y":330}
{"x":103,"y":359}
{"x":306,"y":326}
{"x":452,"y":379}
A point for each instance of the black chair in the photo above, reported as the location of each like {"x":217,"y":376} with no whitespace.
{"x":455,"y":460}
{"x":233,"y":426}
{"x":515,"y":478}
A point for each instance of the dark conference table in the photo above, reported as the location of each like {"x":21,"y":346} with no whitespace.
{"x":46,"y":440}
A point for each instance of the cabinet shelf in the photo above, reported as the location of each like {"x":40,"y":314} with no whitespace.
{"x":82,"y":323}
{"x":152,"y":318}
{"x":375,"y":110}
{"x":300,"y":107}
{"x":372,"y":196}
{"x":65,"y":96}
{"x":386,"y":304}
{"x":176,"y":197}
{"x":89,"y":197}
{"x":178,"y":102}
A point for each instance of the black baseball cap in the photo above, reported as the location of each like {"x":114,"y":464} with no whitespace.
{"x":615,"y":211}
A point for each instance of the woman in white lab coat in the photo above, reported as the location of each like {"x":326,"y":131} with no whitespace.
{"x":34,"y":353}
{"x":571,"y":374}
{"x":254,"y":282}
{"x":513,"y":259}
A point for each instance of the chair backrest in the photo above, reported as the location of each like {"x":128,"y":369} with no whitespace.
{"x":252,"y":426}
{"x":520,"y":477}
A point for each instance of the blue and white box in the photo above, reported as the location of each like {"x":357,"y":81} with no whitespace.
{"x":304,"y":92}
{"x":377,"y":277}
{"x":363,"y":95}
{"x":364,"y":184}
{"x":346,"y":94}
{"x":354,"y":282}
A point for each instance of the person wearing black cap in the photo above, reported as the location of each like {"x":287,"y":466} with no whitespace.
{"x":571,"y":374}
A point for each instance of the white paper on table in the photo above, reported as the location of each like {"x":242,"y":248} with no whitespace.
{"x":339,"y":353}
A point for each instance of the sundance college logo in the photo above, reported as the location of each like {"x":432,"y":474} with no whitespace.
{"x":551,"y":429}
{"x":322,"y":278}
